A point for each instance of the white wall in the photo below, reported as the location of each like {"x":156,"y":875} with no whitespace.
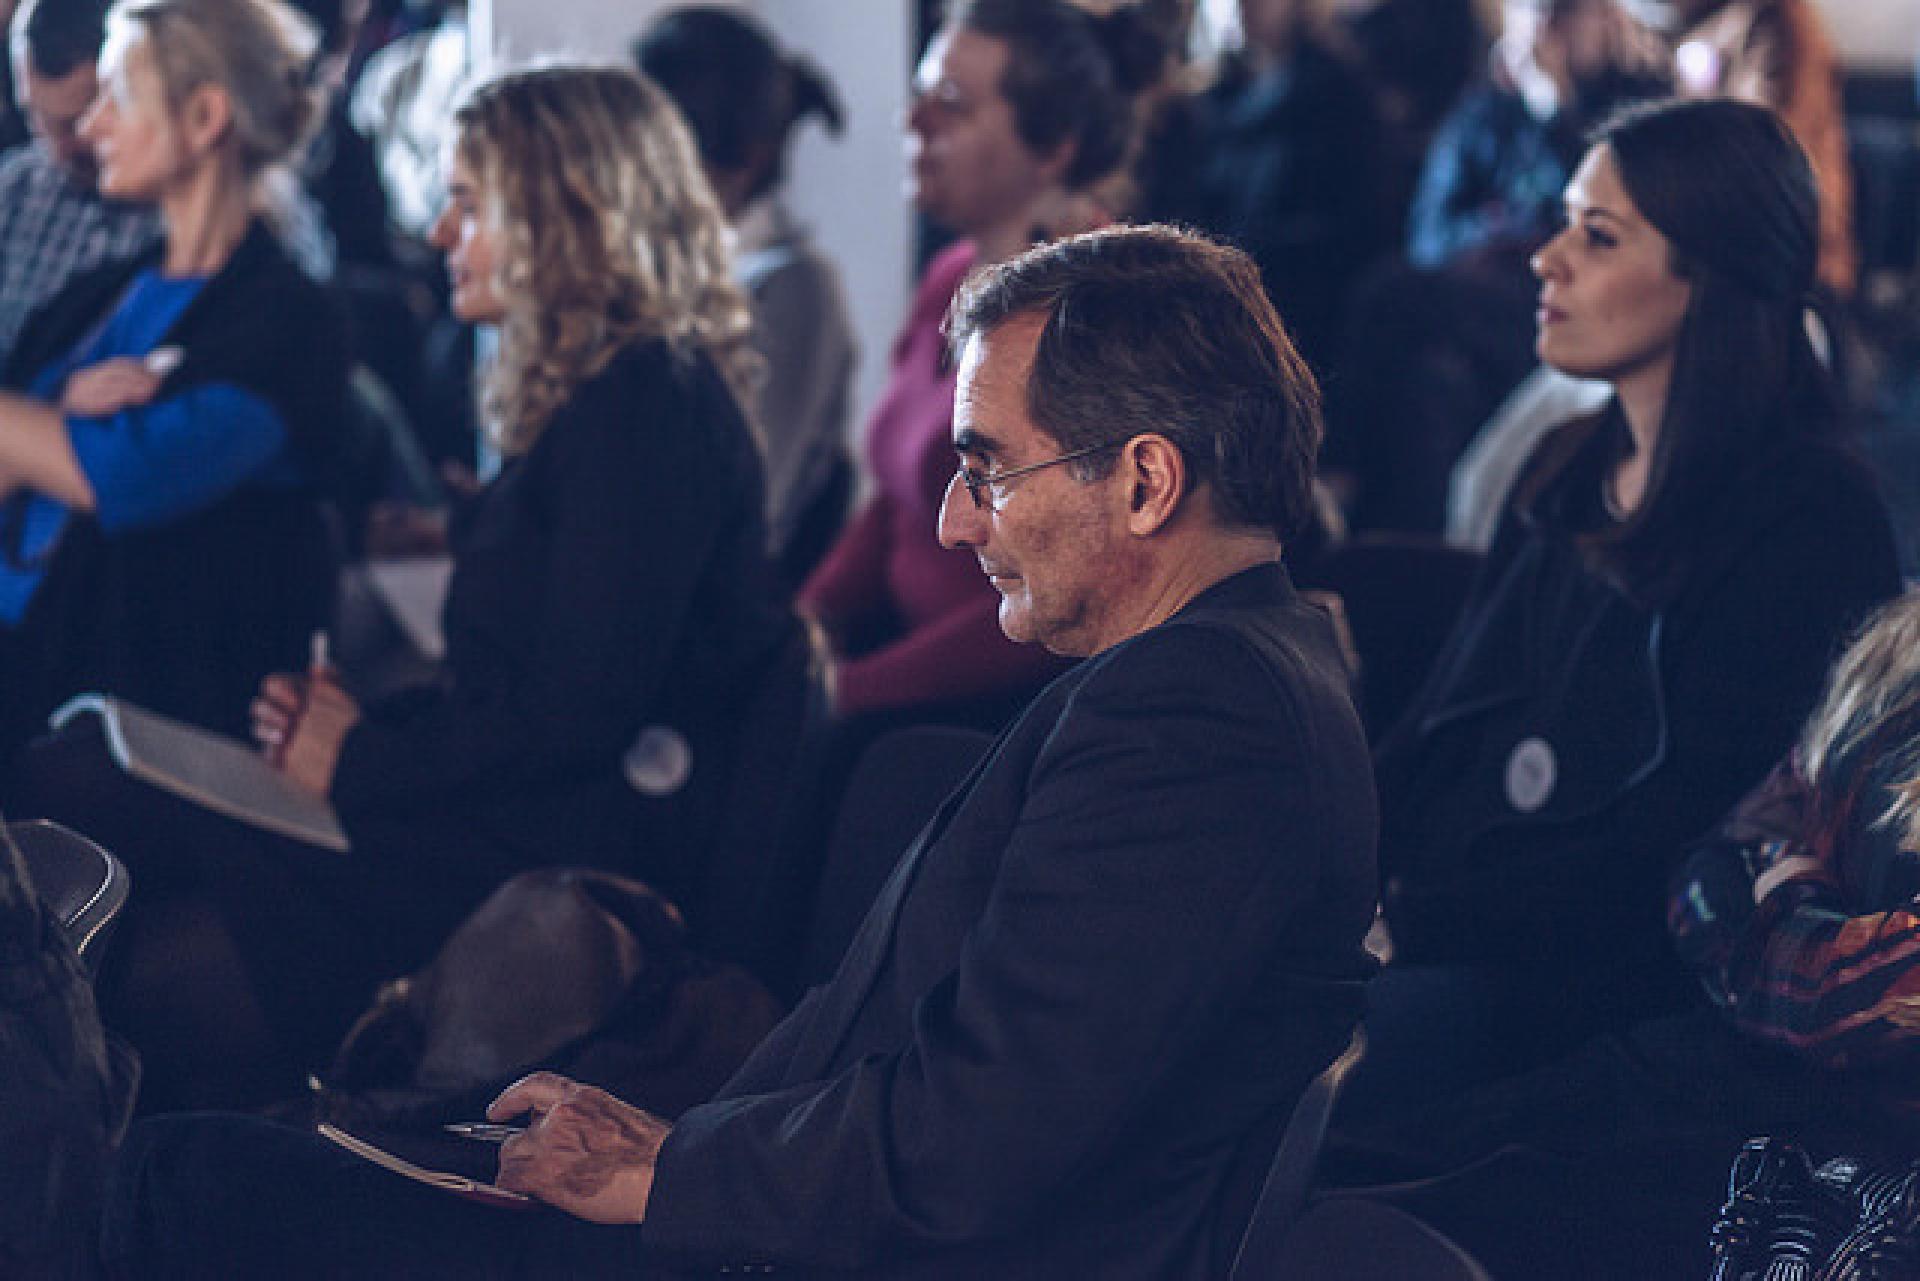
{"x":848,"y":190}
{"x":1875,"y":33}
{"x":851,"y":189}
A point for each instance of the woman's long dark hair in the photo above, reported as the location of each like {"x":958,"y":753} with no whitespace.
{"x":1734,"y":195}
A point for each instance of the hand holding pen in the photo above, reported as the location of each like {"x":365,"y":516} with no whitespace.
{"x":301,"y":721}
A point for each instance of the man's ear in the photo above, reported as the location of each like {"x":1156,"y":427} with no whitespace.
{"x":1155,"y":477}
{"x":205,"y":118}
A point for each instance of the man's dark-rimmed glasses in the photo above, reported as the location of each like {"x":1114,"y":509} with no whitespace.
{"x":981,"y":485}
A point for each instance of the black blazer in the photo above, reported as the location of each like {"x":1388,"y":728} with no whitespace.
{"x":1102,"y":973}
{"x":611,"y":578}
{"x":186,"y":617}
{"x":1569,"y":743}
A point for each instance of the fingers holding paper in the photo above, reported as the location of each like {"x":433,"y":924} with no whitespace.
{"x":583,"y":1151}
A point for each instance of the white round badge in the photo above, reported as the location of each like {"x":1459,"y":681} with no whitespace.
{"x":659,"y":762}
{"x":1531,"y":774}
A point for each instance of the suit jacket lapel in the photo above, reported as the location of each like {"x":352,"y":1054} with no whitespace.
{"x":867,"y":954}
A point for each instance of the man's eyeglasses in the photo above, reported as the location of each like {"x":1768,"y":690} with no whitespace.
{"x":984,"y":487}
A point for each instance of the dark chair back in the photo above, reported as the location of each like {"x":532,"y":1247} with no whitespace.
{"x":1284,"y":1195}
{"x":743,"y":894}
{"x":83,"y":884}
{"x":896,"y":785}
{"x":1403,"y":594}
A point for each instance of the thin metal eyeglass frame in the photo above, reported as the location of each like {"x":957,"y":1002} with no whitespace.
{"x":978,"y":483}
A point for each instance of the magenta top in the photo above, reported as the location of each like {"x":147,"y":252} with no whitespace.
{"x":889,"y":562}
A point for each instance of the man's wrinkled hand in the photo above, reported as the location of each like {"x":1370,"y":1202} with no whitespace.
{"x":583,"y":1151}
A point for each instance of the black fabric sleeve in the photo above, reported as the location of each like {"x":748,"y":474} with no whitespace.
{"x":633,"y":491}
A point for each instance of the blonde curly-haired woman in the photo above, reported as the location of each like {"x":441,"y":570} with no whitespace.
{"x":611,"y":605}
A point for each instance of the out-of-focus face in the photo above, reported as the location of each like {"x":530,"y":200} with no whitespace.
{"x":1548,"y":47}
{"x":135,"y":139}
{"x":1050,"y":543}
{"x":1611,"y":304}
{"x":466,"y":233}
{"x":1270,"y":24}
{"x":967,"y":166}
{"x":54,"y":107}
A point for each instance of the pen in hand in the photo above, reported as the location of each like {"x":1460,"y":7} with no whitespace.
{"x":276,"y":738}
{"x":483,"y":1131}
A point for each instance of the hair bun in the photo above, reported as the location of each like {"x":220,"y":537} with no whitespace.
{"x":1134,"y":45}
{"x":814,"y":95}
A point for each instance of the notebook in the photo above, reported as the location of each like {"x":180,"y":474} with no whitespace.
{"x":222,"y":774}
{"x":472,"y":1189}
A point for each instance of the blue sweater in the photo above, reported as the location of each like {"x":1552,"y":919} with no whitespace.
{"x":151,"y":463}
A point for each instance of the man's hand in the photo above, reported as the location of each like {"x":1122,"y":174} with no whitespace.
{"x":109,"y":387}
{"x":584,"y":1151}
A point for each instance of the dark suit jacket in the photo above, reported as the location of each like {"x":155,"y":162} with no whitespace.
{"x":1095,"y":985}
{"x":612,"y":578}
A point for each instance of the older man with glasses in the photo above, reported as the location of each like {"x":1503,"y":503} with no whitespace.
{"x":1067,"y":1036}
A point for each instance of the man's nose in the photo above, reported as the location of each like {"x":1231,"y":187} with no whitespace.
{"x":961,"y":523}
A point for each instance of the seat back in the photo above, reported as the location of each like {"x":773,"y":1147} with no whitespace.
{"x":895,"y":787}
{"x":1403,"y":594}
{"x":742,"y":896}
{"x":1284,"y":1195}
{"x":83,"y":885}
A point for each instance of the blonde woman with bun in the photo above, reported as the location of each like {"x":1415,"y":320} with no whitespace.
{"x":167,"y":419}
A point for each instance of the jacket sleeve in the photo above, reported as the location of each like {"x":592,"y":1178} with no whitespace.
{"x":174,"y":456}
{"x":1801,"y":969}
{"x":1156,"y":857}
{"x":801,"y":332}
{"x":1452,"y":208}
{"x":633,"y":523}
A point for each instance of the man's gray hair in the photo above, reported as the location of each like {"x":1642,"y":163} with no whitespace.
{"x":1158,"y":329}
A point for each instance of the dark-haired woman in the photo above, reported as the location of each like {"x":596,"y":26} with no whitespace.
{"x":1654,"y":618}
{"x":1018,"y":106}
{"x":743,"y":97}
{"x":1799,"y":914}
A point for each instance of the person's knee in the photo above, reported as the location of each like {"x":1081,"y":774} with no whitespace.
{"x":163,"y":1190}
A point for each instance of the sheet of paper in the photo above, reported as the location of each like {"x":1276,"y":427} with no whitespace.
{"x":414,"y":592}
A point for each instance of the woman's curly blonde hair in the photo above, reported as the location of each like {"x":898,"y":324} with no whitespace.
{"x":608,"y":233}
